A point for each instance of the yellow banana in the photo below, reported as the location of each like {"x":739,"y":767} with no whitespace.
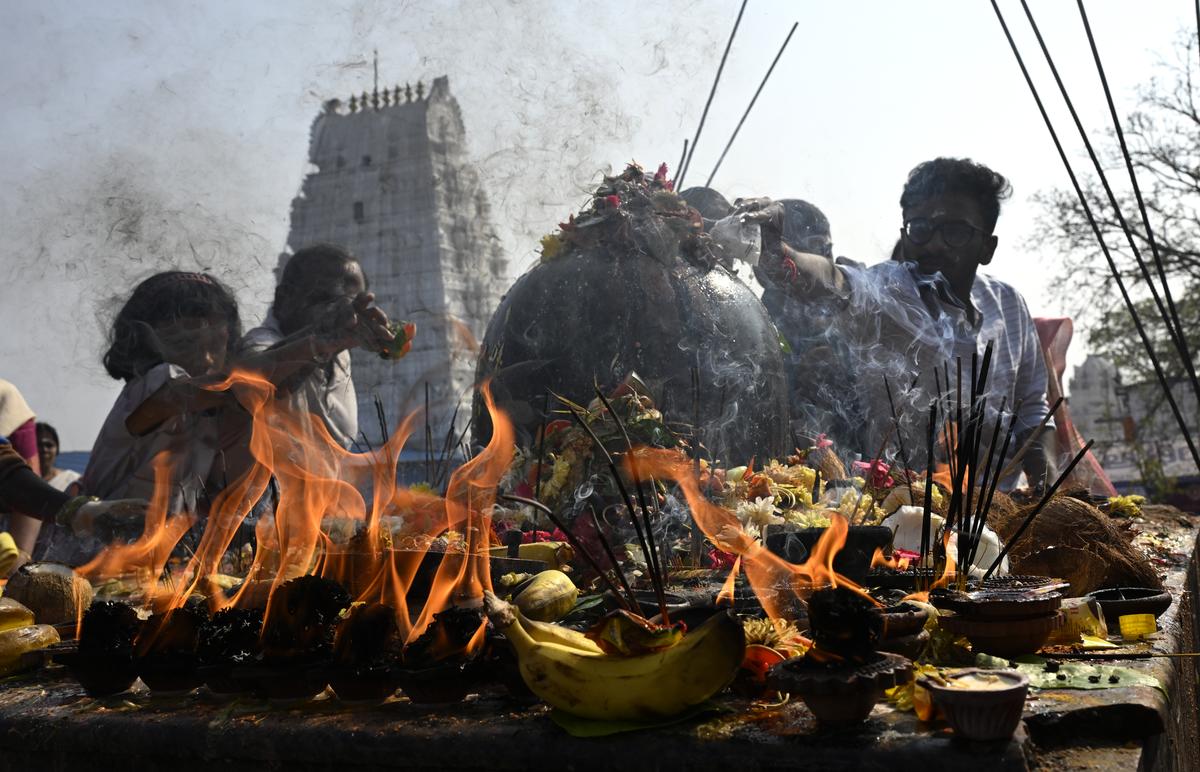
{"x":13,"y":615}
{"x":644,"y":687}
{"x":544,"y":632}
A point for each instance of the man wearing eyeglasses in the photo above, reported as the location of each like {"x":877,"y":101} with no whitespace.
{"x":906,"y":318}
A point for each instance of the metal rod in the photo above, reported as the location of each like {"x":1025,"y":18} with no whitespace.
{"x":750,"y":106}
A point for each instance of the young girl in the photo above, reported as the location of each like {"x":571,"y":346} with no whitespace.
{"x":175,"y":327}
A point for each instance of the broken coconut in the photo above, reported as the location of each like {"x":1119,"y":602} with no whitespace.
{"x":53,"y":592}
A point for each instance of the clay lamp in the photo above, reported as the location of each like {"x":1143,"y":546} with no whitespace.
{"x":982,"y":705}
{"x":842,"y":677}
{"x":297,"y":640}
{"x":365,"y":647}
{"x":230,"y":638}
{"x":436,"y":667}
{"x":103,"y":663}
{"x":165,"y":651}
{"x":1005,"y":622}
{"x":904,"y":629}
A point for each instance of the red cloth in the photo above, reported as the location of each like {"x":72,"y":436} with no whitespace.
{"x":24,"y":441}
{"x":1055,"y":336}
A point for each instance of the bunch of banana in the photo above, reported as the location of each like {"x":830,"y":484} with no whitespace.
{"x":9,"y":554}
{"x":570,"y":671}
{"x":18,"y":634}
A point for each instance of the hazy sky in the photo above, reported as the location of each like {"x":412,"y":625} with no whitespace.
{"x":139,"y":136}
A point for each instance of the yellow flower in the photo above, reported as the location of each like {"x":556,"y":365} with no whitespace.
{"x":552,"y":247}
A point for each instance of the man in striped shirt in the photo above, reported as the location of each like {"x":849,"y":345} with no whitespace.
{"x":903,"y":320}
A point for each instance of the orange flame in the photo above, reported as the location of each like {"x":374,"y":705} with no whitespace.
{"x":316,"y":477}
{"x":948,"y":572}
{"x":771,"y":577}
{"x":725,"y":596}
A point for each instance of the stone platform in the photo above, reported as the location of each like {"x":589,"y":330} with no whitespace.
{"x":47,"y":723}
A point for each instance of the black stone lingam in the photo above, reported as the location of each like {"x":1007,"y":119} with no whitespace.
{"x":631,"y":285}
{"x":842,"y":677}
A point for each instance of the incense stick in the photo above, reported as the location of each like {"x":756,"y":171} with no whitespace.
{"x":750,"y":106}
{"x":687,"y":164}
{"x":653,"y":558}
{"x":655,"y":579}
{"x":1101,"y":242}
{"x":1015,"y":464}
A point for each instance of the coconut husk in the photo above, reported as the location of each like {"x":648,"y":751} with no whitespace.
{"x":1072,"y":539}
{"x":1004,"y":516}
{"x":827,"y":463}
{"x":1088,"y":570}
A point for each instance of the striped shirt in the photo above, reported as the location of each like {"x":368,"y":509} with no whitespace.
{"x":906,"y":325}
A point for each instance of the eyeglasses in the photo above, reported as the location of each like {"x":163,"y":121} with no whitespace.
{"x":956,"y":233}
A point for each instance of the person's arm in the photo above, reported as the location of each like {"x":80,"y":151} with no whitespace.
{"x":24,"y":491}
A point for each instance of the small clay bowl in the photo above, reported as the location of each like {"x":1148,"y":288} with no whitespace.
{"x":903,"y":619}
{"x":1003,"y":637}
{"x":1002,"y":606}
{"x":981,"y":714}
{"x":1119,"y":601}
{"x":100,"y":675}
{"x":840,"y":693}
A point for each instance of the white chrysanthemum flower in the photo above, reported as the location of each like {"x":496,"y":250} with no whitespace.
{"x":758,"y":513}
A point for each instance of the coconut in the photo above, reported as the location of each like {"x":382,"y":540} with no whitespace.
{"x":54,"y":593}
{"x":1072,"y":539}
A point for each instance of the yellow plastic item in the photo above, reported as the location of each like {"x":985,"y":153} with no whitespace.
{"x":13,"y":614}
{"x":14,"y":643}
{"x":1134,"y":627}
{"x":9,"y":554}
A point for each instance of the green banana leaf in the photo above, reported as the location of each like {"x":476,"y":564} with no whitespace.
{"x":1076,"y":673}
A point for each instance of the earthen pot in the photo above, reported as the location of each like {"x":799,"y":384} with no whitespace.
{"x":100,"y":675}
{"x":978,"y":714}
{"x":1003,"y":637}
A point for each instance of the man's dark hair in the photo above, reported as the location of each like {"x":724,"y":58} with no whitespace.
{"x":164,"y":297}
{"x":307,"y":268}
{"x":960,"y":176}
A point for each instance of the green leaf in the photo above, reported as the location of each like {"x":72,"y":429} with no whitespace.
{"x":1076,"y":673}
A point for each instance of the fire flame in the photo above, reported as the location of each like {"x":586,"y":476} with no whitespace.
{"x":771,"y":577}
{"x":316,"y":480}
{"x":725,"y":596}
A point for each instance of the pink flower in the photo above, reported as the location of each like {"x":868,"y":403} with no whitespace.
{"x":613,"y":201}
